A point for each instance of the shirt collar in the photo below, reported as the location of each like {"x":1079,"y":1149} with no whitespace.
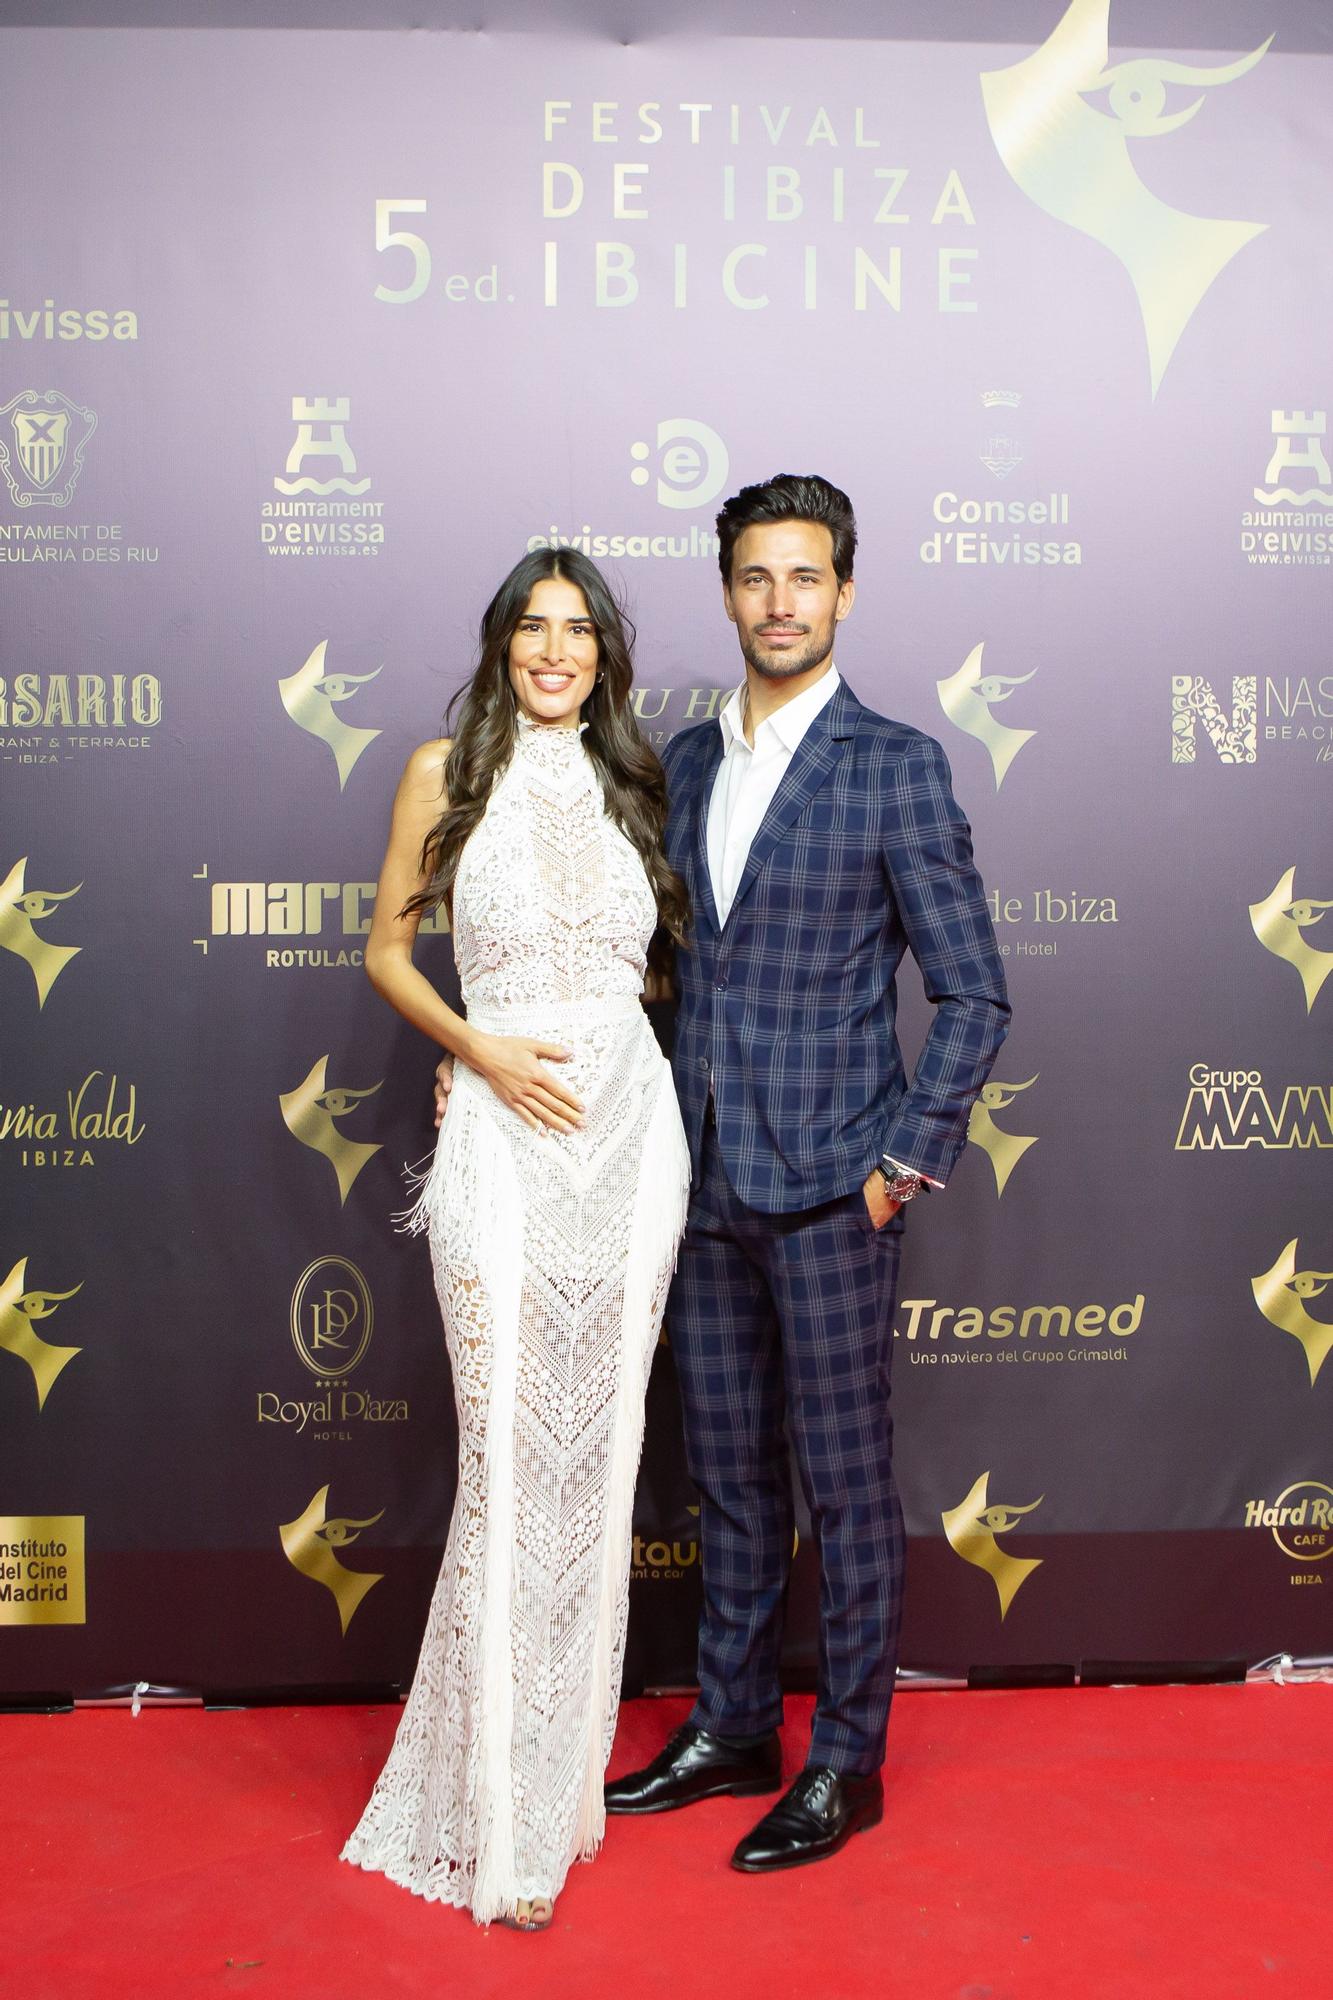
{"x":788,"y":723}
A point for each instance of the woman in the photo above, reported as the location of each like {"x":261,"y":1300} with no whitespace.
{"x":554,"y":1207}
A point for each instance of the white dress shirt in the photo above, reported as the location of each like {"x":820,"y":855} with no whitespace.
{"x":747,"y":779}
{"x":746,"y":782}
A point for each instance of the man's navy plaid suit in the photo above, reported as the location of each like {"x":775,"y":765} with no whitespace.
{"x":792,"y":1087}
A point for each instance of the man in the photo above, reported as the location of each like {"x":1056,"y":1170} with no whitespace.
{"x":819,"y":842}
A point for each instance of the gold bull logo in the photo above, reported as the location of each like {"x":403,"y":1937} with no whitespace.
{"x":1280,"y":922}
{"x":20,"y":909}
{"x":1071,"y":157}
{"x":972,"y":1527}
{"x":310,"y":1544}
{"x":18,"y":1309}
{"x":309,"y":1112}
{"x":1280,"y":1294}
{"x":1003,"y":1149}
{"x":309,"y":696}
{"x":967,"y":698}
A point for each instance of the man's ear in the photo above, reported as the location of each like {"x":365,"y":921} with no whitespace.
{"x":727,"y":604}
{"x":846,"y":599}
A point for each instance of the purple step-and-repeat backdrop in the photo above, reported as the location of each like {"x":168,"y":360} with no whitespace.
{"x":305,"y":337}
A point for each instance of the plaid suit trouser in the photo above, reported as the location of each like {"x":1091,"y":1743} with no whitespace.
{"x":782,"y":1329}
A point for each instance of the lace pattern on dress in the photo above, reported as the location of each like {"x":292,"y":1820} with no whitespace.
{"x":552,"y":1256}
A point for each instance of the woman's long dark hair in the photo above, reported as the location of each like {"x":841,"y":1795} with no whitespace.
{"x":633,"y":784}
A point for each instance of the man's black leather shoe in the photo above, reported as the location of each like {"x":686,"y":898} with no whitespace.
{"x":695,"y":1765}
{"x":815,"y":1816}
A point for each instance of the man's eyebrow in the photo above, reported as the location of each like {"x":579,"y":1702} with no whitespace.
{"x":797,"y":569}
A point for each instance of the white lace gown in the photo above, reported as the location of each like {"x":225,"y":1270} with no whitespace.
{"x":552,"y":1256}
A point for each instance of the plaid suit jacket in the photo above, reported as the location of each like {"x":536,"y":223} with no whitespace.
{"x":787,"y":1011}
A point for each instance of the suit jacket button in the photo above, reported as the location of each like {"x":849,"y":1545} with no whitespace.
{"x":703,"y":1064}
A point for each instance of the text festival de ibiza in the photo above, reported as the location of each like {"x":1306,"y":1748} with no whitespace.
{"x":840,"y":179}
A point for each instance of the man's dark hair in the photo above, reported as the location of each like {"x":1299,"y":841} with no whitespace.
{"x":790,"y":496}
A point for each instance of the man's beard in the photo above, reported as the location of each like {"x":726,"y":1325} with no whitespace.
{"x":785,"y":666}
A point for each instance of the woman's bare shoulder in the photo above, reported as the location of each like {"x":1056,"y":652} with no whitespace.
{"x":424,"y":770}
{"x":430,"y":758}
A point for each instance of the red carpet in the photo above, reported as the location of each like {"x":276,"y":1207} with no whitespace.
{"x":1072,"y":1845}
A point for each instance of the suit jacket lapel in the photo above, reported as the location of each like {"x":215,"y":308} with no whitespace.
{"x":817,"y":754}
{"x":703,"y":792}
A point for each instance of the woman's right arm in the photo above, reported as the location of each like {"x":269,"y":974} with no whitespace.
{"x":417,"y":806}
{"x":511,"y":1064}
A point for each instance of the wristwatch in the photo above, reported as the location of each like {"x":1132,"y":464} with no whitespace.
{"x":900,"y":1182}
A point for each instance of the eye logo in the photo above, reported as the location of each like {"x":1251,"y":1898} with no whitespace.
{"x":1280,"y":1295}
{"x":692,"y":463}
{"x":20,"y":909}
{"x":48,"y":435}
{"x":1004,"y":1149}
{"x":332,"y":1323}
{"x":310,"y":1543}
{"x":1062,"y":122}
{"x":309,"y":1112}
{"x":967,"y":698}
{"x":18,"y":1309}
{"x":972,"y":1527}
{"x":309,"y":697}
{"x":1280,"y":925}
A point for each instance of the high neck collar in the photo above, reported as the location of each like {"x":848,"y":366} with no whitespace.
{"x":547,"y":741}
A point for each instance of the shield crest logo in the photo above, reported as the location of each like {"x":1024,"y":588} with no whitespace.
{"x":42,"y":436}
{"x":1002,"y":456}
{"x":42,"y":440}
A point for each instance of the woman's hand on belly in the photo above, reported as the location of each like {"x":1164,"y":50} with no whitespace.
{"x":515,"y":1068}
